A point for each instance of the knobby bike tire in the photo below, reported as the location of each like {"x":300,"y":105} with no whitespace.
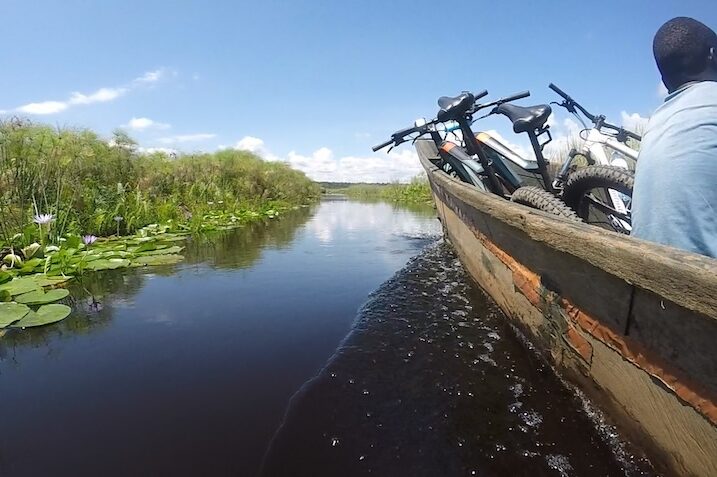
{"x":581,"y":182}
{"x":540,"y":199}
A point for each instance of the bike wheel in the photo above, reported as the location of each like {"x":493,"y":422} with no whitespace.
{"x":602,"y":195}
{"x":540,"y":199}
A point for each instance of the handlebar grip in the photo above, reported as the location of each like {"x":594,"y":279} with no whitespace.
{"x":382,"y":145}
{"x":481,"y":94}
{"x":559,"y":91}
{"x":636,"y":137}
{"x":401,"y":133}
{"x":522,"y":94}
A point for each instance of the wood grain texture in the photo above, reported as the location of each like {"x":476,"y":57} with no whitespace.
{"x":572,"y":265}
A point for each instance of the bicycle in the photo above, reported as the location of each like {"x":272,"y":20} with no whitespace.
{"x":601,"y":192}
{"x":526,"y":182}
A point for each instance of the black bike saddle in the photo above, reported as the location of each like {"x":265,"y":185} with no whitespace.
{"x":454,"y":107}
{"x":525,"y":119}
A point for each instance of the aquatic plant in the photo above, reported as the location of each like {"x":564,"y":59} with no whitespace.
{"x":418,"y":191}
{"x":43,"y":219}
{"x":84,"y":183}
{"x":88,"y":240}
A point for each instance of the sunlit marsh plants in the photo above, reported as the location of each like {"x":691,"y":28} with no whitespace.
{"x":62,"y":190}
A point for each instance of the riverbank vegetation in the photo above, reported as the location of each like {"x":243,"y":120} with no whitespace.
{"x":72,"y":202}
{"x":90,"y":186}
{"x":418,"y":191}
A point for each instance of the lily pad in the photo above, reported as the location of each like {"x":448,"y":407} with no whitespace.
{"x":44,"y":316}
{"x":145,"y":247}
{"x":45,"y":281}
{"x":20,"y":285}
{"x":164,"y":251}
{"x":11,"y":312}
{"x":108,"y":264}
{"x":4,"y":276}
{"x":38,"y":297}
{"x":31,"y":265}
{"x":157,"y":260}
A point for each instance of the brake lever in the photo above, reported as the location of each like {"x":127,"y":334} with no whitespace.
{"x":570,"y":106}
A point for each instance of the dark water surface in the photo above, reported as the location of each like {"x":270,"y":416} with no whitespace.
{"x":190,"y":370}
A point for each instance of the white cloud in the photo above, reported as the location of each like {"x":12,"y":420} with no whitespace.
{"x":180,"y":138}
{"x":250,"y":143}
{"x":141,"y":124}
{"x":522,"y":150}
{"x":44,"y":107}
{"x":151,"y":150}
{"x":150,"y":76}
{"x":101,"y":95}
{"x":255,"y":145}
{"x":322,"y":165}
{"x":633,"y":122}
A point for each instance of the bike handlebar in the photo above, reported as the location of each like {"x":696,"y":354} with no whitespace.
{"x":562,"y":93}
{"x":507,"y":99}
{"x":480,"y":95}
{"x":398,"y":137}
{"x":515,"y":97}
{"x":382,"y":145}
{"x":570,"y":104}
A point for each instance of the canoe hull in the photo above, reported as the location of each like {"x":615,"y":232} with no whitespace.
{"x":643,"y":354}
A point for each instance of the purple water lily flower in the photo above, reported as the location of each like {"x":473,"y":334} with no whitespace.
{"x":89,"y":239}
{"x":43,"y":219}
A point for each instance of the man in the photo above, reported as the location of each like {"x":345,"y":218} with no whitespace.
{"x":675,"y":195}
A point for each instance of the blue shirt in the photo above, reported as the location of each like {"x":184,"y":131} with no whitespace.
{"x":675,"y":197}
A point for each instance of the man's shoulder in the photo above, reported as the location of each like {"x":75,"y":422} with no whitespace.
{"x":698,"y":100}
{"x":703,"y":92}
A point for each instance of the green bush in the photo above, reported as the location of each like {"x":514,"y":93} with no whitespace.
{"x":418,"y":191}
{"x":86,"y":182}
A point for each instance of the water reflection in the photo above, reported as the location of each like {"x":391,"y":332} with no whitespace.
{"x":94,"y":297}
{"x":187,"y":369}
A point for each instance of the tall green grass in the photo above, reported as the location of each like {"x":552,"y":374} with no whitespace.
{"x":87,"y":182}
{"x":418,"y":191}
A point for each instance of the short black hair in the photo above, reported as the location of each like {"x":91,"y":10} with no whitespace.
{"x":681,"y":47}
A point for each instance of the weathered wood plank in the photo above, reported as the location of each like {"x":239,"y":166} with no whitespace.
{"x":572,"y":287}
{"x":686,"y":279}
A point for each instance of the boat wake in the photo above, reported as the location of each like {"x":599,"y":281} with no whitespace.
{"x":433,"y":381}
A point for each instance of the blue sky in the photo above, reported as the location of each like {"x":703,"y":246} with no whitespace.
{"x":318,"y":82}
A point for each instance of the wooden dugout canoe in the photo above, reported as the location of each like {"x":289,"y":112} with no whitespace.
{"x":633,"y":324}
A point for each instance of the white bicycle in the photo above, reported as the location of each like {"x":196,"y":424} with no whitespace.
{"x":600,"y":193}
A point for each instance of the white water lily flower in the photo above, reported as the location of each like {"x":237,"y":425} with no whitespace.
{"x":42,"y":219}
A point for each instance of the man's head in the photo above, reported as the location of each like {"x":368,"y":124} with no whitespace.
{"x":685,"y":50}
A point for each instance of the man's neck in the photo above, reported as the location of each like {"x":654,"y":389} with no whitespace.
{"x":696,"y":79}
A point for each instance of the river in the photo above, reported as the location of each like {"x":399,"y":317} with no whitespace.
{"x":342,"y":339}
